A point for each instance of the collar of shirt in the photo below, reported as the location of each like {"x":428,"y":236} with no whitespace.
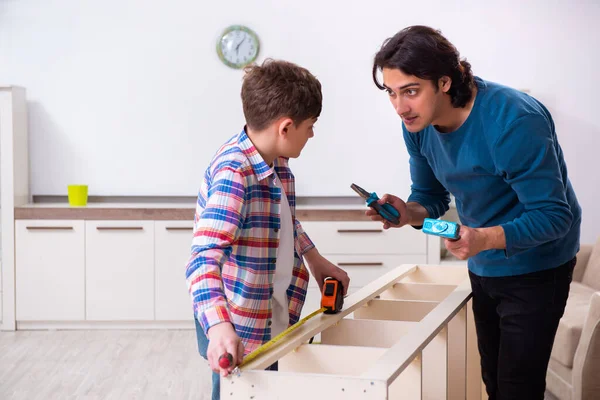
{"x":260,"y":167}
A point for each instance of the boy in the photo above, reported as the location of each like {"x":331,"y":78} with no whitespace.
{"x":246,"y":275}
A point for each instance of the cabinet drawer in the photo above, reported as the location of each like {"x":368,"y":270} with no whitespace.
{"x":119,"y":279}
{"x":364,"y":238}
{"x":172,"y":244}
{"x":50,"y":268}
{"x":363,"y":269}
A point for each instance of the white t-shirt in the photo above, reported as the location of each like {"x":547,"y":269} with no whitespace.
{"x":283,"y":267}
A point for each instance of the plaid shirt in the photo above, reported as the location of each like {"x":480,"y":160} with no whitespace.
{"x":234,"y":248}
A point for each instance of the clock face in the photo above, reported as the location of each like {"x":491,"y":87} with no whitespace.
{"x":238,"y":47}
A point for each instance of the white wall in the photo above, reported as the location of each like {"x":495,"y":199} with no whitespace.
{"x":130,"y":97}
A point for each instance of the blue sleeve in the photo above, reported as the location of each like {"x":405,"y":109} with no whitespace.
{"x":425,"y":189}
{"x":526,"y":155}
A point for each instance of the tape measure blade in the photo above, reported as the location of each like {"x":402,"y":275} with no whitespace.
{"x":266,"y":346}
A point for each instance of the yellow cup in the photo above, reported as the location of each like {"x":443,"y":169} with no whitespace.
{"x":78,"y":195}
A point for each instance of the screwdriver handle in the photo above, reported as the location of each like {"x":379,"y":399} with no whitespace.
{"x":225,"y":360}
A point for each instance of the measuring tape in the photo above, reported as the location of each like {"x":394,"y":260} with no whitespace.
{"x":266,"y":346}
{"x":332,"y":301}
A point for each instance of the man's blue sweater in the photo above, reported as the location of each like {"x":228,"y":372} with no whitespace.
{"x":505,"y":167}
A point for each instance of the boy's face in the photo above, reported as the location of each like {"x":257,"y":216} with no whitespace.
{"x":415,"y":100}
{"x":294,"y":138}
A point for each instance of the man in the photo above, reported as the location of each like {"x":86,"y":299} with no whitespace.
{"x":496,"y":150}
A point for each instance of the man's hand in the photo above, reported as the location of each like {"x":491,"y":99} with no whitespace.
{"x":475,"y":240}
{"x":222,"y":340}
{"x":395,"y":202}
{"x":321,"y":268}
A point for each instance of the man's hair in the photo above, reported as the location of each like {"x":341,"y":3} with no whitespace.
{"x":278,"y":89}
{"x":423,"y":52}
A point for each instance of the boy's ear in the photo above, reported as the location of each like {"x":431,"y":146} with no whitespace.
{"x":284,"y":125}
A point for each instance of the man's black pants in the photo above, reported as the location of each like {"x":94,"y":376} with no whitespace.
{"x":516,"y":318}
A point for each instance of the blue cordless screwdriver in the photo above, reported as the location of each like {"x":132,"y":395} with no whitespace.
{"x":385,"y":210}
{"x":438,"y":227}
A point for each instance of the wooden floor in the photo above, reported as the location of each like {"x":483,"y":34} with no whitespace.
{"x":102,"y":365}
{"x":108,"y":365}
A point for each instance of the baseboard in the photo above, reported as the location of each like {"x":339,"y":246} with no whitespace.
{"x":103,"y":325}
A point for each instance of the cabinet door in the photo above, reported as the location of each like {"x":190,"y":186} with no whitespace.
{"x":119,"y":277}
{"x":173,"y":241}
{"x":50,"y":268}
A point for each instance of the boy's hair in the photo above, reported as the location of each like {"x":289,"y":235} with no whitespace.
{"x":278,"y":89}
{"x":423,"y":52}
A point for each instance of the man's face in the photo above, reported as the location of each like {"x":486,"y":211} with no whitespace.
{"x":296,"y":137}
{"x":415,"y":100}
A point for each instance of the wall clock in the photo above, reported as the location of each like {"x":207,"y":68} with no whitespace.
{"x":238,"y":46}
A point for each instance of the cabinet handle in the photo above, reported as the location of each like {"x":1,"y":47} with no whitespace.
{"x":367,"y":264}
{"x":355,"y":264}
{"x":48,"y":228}
{"x":360,"y":230}
{"x":119,"y":228}
{"x":179,"y":228}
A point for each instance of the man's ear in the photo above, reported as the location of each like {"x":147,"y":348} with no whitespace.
{"x":444,"y":83}
{"x":284,"y":125}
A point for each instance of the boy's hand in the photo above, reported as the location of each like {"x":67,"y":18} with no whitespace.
{"x":222,"y":340}
{"x":321,"y":268}
{"x":395,"y":202}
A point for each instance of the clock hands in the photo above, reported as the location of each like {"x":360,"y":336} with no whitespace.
{"x":237,"y":48}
